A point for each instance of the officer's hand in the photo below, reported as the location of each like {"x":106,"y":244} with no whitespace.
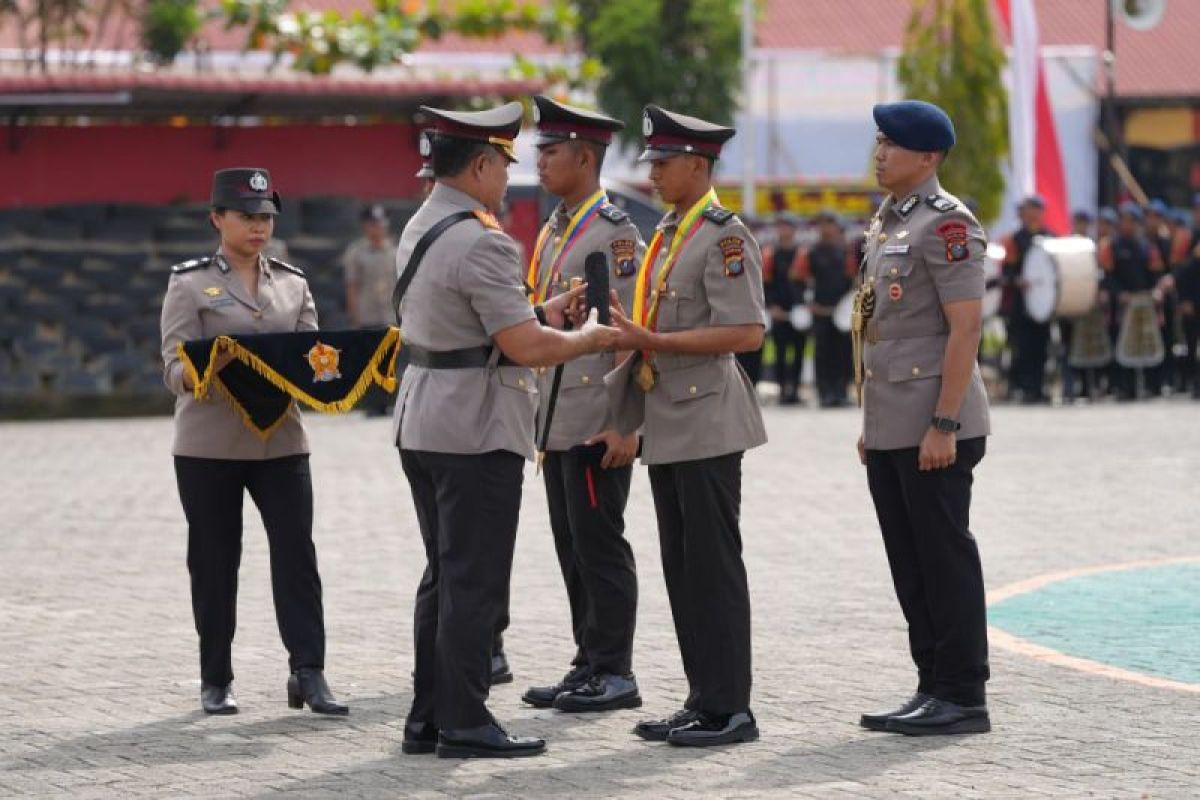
{"x":565,"y":306}
{"x":598,"y":337}
{"x":619,"y":450}
{"x":632,"y":336}
{"x":862,"y":450}
{"x":614,"y":302}
{"x":778,"y":314}
{"x":938,"y":450}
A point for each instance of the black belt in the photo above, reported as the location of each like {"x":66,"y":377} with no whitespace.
{"x":466,"y":358}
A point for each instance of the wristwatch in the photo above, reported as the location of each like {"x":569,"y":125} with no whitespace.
{"x":946,"y":425}
{"x":540,"y":313}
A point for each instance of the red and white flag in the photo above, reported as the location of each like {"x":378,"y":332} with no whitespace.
{"x":1033,"y":141}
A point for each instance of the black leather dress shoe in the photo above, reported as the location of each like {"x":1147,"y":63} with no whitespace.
{"x":656,"y":730}
{"x":941,"y":718}
{"x":217,"y":699}
{"x":604,"y":692}
{"x":419,"y":738}
{"x":877,"y":720}
{"x":487,"y":741}
{"x":500,"y":671}
{"x":543,"y":696}
{"x":307,"y":685}
{"x":709,"y":730}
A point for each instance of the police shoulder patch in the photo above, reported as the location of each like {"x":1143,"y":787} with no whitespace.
{"x":718,"y":215}
{"x":624,"y":253}
{"x":613,"y":214}
{"x":733,"y":250}
{"x":194,"y":264}
{"x":275,"y":262}
{"x":940,"y":203}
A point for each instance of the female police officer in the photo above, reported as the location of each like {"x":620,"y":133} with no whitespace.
{"x":238,"y":290}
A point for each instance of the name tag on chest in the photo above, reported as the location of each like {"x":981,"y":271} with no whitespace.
{"x":896,"y":249}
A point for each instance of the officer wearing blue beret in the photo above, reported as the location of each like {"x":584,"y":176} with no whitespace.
{"x":917,"y":322}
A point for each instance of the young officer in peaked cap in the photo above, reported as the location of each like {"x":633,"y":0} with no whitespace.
{"x":238,"y":290}
{"x":925,"y":416}
{"x":698,"y":301}
{"x":464,"y":422}
{"x":588,"y":465}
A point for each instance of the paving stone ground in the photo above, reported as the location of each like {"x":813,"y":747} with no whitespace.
{"x":98,"y":674}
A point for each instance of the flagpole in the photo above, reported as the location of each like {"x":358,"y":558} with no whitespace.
{"x":748,"y":132}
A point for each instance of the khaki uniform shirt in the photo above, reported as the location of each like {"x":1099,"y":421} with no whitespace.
{"x":582,"y":410}
{"x":922,"y":252}
{"x":371,"y":272}
{"x":205,"y":299}
{"x":469,"y":286}
{"x":702,"y":406}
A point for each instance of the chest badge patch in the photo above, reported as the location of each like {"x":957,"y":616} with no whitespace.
{"x":324,"y":362}
{"x":733,"y":249}
{"x":213,"y":291}
{"x":624,"y":257}
{"x":954,"y":234}
{"x":895,"y":292}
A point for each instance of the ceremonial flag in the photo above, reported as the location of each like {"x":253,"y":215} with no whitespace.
{"x":1036,"y":160}
{"x":328,"y":371}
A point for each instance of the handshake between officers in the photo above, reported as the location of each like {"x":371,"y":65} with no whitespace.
{"x":497,"y":374}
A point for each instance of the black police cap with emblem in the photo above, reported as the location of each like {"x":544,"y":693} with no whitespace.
{"x":425,"y":173}
{"x":245,"y":189}
{"x":915,"y":125}
{"x":497,"y":126}
{"x":670,"y":134}
{"x":557,"y":122}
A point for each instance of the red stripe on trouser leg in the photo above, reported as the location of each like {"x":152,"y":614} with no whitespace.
{"x":591,"y":484}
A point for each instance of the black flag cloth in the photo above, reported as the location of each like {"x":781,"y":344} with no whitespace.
{"x":325,"y":370}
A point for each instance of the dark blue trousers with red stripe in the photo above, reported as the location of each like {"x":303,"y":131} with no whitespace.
{"x":587,"y":516}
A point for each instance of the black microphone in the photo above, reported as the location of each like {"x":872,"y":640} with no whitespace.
{"x":595,"y":271}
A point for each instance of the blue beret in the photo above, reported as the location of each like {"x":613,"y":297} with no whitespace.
{"x":1082,"y":215}
{"x":1181,"y":216}
{"x":915,"y":125}
{"x":1130,"y":208}
{"x":1108,"y":214}
{"x":1158,"y":206}
{"x":1035,"y":200}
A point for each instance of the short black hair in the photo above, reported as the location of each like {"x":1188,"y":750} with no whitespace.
{"x":598,"y":152}
{"x":449,"y":155}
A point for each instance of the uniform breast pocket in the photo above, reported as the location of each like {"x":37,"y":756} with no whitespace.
{"x":519,"y":379}
{"x":682,"y":307}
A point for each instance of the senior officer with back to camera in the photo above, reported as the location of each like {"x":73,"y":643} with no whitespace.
{"x":925,"y":416}
{"x":464,"y":422}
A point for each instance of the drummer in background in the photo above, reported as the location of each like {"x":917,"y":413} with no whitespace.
{"x":785,"y":283}
{"x":1081,"y":225}
{"x":1187,"y":287}
{"x":1161,"y":236}
{"x":1106,"y":223}
{"x":1131,"y":264}
{"x":1028,"y":338}
{"x":832,"y":267}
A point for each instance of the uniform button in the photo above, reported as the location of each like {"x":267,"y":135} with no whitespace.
{"x":674,"y":294}
{"x":541,"y":370}
{"x":521,"y":382}
{"x":586,"y":379}
{"x":691,"y":390}
{"x":894,"y":272}
{"x":883,"y":237}
{"x":258,"y":315}
{"x":916,"y":371}
{"x":870,"y":374}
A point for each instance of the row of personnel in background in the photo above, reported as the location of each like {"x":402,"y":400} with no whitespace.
{"x":481,"y":394}
{"x":1151,"y":251}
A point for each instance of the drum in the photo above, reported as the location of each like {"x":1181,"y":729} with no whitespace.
{"x":1140,"y":342}
{"x":801,"y":317}
{"x":993,"y":268}
{"x":843,"y":312}
{"x":1062,"y":277}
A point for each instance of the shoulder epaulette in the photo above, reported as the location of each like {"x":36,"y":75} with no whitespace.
{"x":194,"y":264}
{"x":717,"y":215}
{"x":487,"y":220}
{"x":940,"y":203}
{"x":275,"y":262}
{"x":613,"y":214}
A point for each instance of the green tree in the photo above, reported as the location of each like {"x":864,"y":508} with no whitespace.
{"x":952,"y":57}
{"x":168,"y":26}
{"x":682,"y":54}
